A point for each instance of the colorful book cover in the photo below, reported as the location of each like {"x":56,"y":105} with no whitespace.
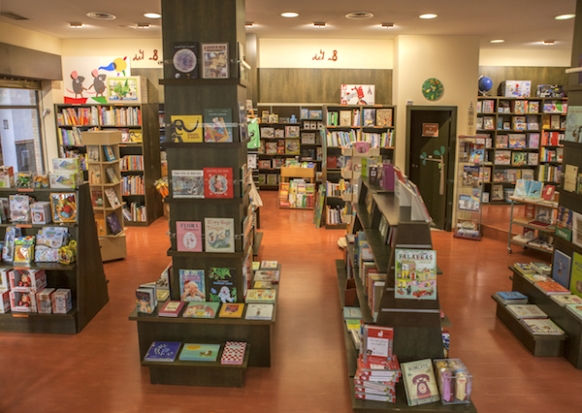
{"x":575,"y":309}
{"x":218,"y":183}
{"x":186,"y":128}
{"x":189,"y":236}
{"x":199,"y":352}
{"x":221,"y":286}
{"x":269,"y":265}
{"x":574,"y":124}
{"x":415,"y":274}
{"x":163,"y":351}
{"x":219,"y":234}
{"x":233,"y":352}
{"x":419,"y":382}
{"x":576,"y":274}
{"x":145,"y":300}
{"x":192,"y":285}
{"x":526,"y":311}
{"x":383,"y":117}
{"x":63,"y":206}
{"x":231,"y":310}
{"x":260,"y":296}
{"x":542,"y":326}
{"x":511,"y":297}
{"x":171,"y":308}
{"x":186,"y":60}
{"x":352,"y":313}
{"x":378,"y":343}
{"x":215,"y":61}
{"x":112,"y":198}
{"x":188,"y":183}
{"x":257,"y":311}
{"x":217,"y":125}
{"x":561,"y":268}
{"x":535,"y":190}
{"x":267,"y":275}
{"x":551,"y":287}
{"x":566,"y":299}
{"x":263,"y":284}
{"x":201,"y":310}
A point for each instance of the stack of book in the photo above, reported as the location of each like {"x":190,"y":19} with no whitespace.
{"x":510,"y":297}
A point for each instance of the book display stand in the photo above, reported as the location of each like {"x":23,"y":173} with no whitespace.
{"x":229,"y":251}
{"x":541,"y":232}
{"x":85,"y":277}
{"x":298,"y":194}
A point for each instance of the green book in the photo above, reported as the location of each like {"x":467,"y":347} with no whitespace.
{"x":199,"y":352}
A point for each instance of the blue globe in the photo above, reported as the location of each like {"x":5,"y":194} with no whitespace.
{"x":485,"y":84}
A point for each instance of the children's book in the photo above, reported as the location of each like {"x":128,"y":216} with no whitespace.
{"x":261,"y":296}
{"x":186,"y":128}
{"x":233,"y":352}
{"x":112,"y":198}
{"x":258,"y":311}
{"x":199,"y":352}
{"x":521,"y":188}
{"x":109,"y":153}
{"x":221,"y":285}
{"x":263,"y":284}
{"x":561,"y":268}
{"x":542,"y":326}
{"x":535,"y":190}
{"x":163,"y":351}
{"x":269,"y":265}
{"x":201,"y":310}
{"x":575,"y":309}
{"x":419,"y":382}
{"x":415,"y":274}
{"x":566,"y":299}
{"x":171,"y":308}
{"x":352,"y":313}
{"x":187,"y":184}
{"x":145,"y":300}
{"x":511,"y":297}
{"x":192,"y":285}
{"x":217,"y":125}
{"x":378,"y":343}
{"x":576,"y":274}
{"x":231,"y":310}
{"x":548,"y":192}
{"x":219,"y":234}
{"x":551,"y":287}
{"x":541,"y":267}
{"x":63,"y":206}
{"x":189,"y":236}
{"x":218,"y":183}
{"x":267,"y":275}
{"x":526,"y":311}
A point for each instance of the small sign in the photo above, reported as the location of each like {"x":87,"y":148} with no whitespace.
{"x":430,"y":130}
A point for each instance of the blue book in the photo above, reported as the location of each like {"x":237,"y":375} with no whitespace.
{"x":199,"y":352}
{"x":512,"y":296}
{"x":163,"y":351}
{"x":535,"y":190}
{"x":561,"y":268}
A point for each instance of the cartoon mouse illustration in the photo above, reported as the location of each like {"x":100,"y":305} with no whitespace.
{"x":98,"y":83}
{"x":77,"y":83}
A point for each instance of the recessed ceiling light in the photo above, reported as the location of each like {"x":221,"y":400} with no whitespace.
{"x":428,"y":16}
{"x":289,"y":14}
{"x":388,"y":25}
{"x":100,"y":15}
{"x":565,"y":16}
{"x":319,"y":24}
{"x":549,"y":42}
{"x":152,"y":15}
{"x":249,"y":24}
{"x":75,"y":25}
{"x":497,"y":41}
{"x":142,"y":26}
{"x":359,"y":15}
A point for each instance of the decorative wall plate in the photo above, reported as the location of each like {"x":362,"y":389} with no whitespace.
{"x":432,"y":89}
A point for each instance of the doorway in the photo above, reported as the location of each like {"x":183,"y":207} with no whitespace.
{"x":430,"y":158}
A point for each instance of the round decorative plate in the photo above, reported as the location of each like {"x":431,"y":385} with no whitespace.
{"x":432,"y":89}
{"x":185,"y":60}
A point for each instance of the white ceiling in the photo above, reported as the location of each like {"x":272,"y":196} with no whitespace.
{"x":521,"y":23}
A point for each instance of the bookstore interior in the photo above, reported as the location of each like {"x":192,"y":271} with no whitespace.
{"x":179,"y":207}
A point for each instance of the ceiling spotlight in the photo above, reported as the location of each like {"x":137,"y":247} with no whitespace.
{"x":249,"y":24}
{"x":565,"y":16}
{"x":388,"y":25}
{"x":76,"y":25}
{"x":428,"y":16}
{"x":289,"y":14}
{"x":549,"y":42}
{"x":142,"y":26}
{"x":359,"y":15}
{"x":319,"y":24}
{"x":100,"y":15}
{"x":152,"y":15}
{"x":497,"y":41}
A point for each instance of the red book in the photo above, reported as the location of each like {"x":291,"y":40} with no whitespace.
{"x":171,"y":308}
{"x":218,"y":183}
{"x":548,"y":192}
{"x":189,"y":236}
{"x":378,"y":342}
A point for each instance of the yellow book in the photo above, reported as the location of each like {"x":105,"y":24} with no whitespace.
{"x":187,"y":128}
{"x":231,"y":310}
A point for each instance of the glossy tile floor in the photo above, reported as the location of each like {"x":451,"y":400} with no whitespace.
{"x":98,"y":370}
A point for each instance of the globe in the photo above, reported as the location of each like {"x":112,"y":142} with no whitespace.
{"x":485,"y":84}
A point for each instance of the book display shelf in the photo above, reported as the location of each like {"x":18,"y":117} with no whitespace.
{"x":346,"y":129}
{"x":538,"y":223}
{"x":524,"y":141}
{"x":297,"y":188}
{"x":85,"y":277}
{"x":287,"y":131}
{"x":139,"y":149}
{"x":103,"y":166}
{"x":417,"y":324}
{"x":209,"y":189}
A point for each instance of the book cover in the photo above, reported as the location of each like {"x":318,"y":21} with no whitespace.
{"x":267,"y":275}
{"x":419,"y":382}
{"x":541,"y":267}
{"x":576,"y":274}
{"x":199,"y":352}
{"x":231,"y":310}
{"x":145,"y":300}
{"x":187,"y":183}
{"x":263,"y":284}
{"x":573,"y":124}
{"x":112,"y":198}
{"x":109,"y":153}
{"x":542,"y":326}
{"x":548,"y":192}
{"x":369,"y":116}
{"x":95,"y":174}
{"x":221,"y":285}
{"x":219,"y":234}
{"x":97,"y":198}
{"x":415,"y":274}
{"x":535,"y":190}
{"x":185,"y":60}
{"x":113,"y":224}
{"x":575,"y":309}
{"x":171,"y":308}
{"x":258,"y":311}
{"x":378,"y":342}
{"x":511,"y":297}
{"x":201,"y":310}
{"x":63,"y":207}
{"x":561,"y":268}
{"x":566,"y":299}
{"x":352,"y":313}
{"x":186,"y":128}
{"x":233,"y":352}
{"x":217,"y":125}
{"x":215,"y":61}
{"x":551,"y":287}
{"x":261,"y":296}
{"x":268,"y":265}
{"x":383,"y":117}
{"x":163,"y":351}
{"x":189,"y":236}
{"x":218,"y":183}
{"x":192,"y":285}
{"x":111,"y":176}
{"x":526,"y":311}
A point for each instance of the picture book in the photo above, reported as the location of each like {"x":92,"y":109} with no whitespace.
{"x":551,"y":287}
{"x":219,"y":234}
{"x":258,"y":311}
{"x":542,"y":326}
{"x":419,"y":382}
{"x":263,"y":284}
{"x":201,"y":310}
{"x":112,"y":198}
{"x":526,"y":311}
{"x":187,"y":184}
{"x":292,"y":146}
{"x":517,"y":140}
{"x":189,"y":236}
{"x":573,"y":124}
{"x":477,"y":154}
{"x":548,"y":192}
{"x":269,"y":265}
{"x":575,"y":309}
{"x":577,"y":228}
{"x":576,"y":274}
{"x":186,"y":128}
{"x":192,"y":285}
{"x":231,"y":310}
{"x":113,"y":223}
{"x":535,"y":190}
{"x":521,"y":188}
{"x":109,"y":153}
{"x":533,"y":140}
{"x":218,"y":183}
{"x":561,"y":268}
{"x":502,"y":158}
{"x":218,"y":125}
{"x":378,"y":342}
{"x":199,"y":352}
{"x":97,"y":198}
{"x":233,"y":352}
{"x":518,"y":158}
{"x":93,"y":153}
{"x":163,"y":351}
{"x":415,"y":274}
{"x":352,"y":313}
{"x":171,"y":308}
{"x":63,"y":207}
{"x":185,"y":60}
{"x":511,"y":297}
{"x":215,"y":61}
{"x":267,"y":275}
{"x":566,"y":299}
{"x":111,"y":176}
{"x":221,"y":285}
{"x":383,"y":117}
{"x":95,"y":174}
{"x":292,"y":131}
{"x":261,"y":296}
{"x":145,"y":300}
{"x":541,"y":267}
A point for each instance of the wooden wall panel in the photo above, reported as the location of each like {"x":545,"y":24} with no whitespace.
{"x":21,"y":62}
{"x":537,"y":75}
{"x":320,"y":85}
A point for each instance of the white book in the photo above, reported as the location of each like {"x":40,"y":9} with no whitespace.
{"x":542,"y":326}
{"x":526,"y":311}
{"x":259,"y":311}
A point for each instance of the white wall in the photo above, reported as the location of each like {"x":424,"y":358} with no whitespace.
{"x":523,"y":57}
{"x":18,"y":36}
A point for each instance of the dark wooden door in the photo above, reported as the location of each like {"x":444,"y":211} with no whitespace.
{"x":431,"y":140}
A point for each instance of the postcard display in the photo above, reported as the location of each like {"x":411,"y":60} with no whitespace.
{"x":205,"y":22}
